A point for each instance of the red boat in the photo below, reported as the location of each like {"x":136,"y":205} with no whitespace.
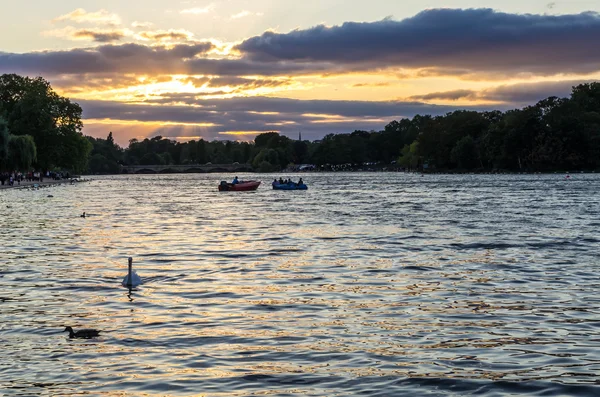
{"x":243,"y":186}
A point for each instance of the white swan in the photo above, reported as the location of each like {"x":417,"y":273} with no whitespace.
{"x":132,"y":279}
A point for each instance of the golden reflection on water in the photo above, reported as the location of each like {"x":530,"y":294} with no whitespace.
{"x":254,"y":294}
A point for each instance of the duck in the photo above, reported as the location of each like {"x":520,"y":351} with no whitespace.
{"x":82,"y":215}
{"x":82,"y":333}
{"x":132,"y":279}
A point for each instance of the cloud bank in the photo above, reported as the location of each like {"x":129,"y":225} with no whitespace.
{"x":518,"y":94}
{"x":217,"y":117}
{"x":434,"y":42}
{"x":125,"y":58}
{"x":473,"y":39}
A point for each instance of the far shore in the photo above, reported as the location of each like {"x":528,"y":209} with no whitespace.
{"x":358,"y":171}
{"x":46,"y":183}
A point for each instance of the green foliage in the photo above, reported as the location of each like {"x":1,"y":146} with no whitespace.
{"x":152,"y":159}
{"x":464,"y":153}
{"x":265,"y":166}
{"x":31,"y":107}
{"x":270,"y":156}
{"x":192,"y":152}
{"x":410,"y":156}
{"x":4,"y":136}
{"x":101,"y":165}
{"x":106,"y":156}
{"x":75,"y":152}
{"x":21,"y":152}
{"x":166,"y":158}
{"x":269,"y":140}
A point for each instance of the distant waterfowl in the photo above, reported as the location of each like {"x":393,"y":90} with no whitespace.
{"x":132,"y":279}
{"x":82,"y":333}
{"x":82,"y":215}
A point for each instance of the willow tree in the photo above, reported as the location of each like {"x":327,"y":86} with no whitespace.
{"x":21,"y":152}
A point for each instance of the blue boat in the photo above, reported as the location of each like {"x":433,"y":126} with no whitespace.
{"x":289,"y":186}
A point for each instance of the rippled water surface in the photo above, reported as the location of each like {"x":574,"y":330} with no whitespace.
{"x":366,"y":284}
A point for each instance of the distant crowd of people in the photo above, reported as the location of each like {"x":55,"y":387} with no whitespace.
{"x":11,"y":178}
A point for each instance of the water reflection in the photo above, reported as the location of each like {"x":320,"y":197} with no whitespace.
{"x":442,"y":285}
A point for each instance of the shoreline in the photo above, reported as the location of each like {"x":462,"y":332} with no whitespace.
{"x":361,"y":171}
{"x":46,"y":183}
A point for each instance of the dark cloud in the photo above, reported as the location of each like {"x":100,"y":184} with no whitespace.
{"x":247,"y":83}
{"x":314,"y":118}
{"x":471,"y":39}
{"x":446,"y":95}
{"x":514,"y":94}
{"x":170,"y":35}
{"x":464,"y":43}
{"x":97,"y":36}
{"x":197,"y":110}
{"x":125,"y":58}
{"x":136,"y":58}
{"x":239,"y":83}
{"x":530,"y":93}
{"x":245,"y":67}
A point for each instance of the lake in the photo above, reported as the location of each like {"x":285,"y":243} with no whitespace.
{"x":376,"y":284}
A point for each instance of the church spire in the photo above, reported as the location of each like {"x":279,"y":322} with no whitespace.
{"x":300,"y":136}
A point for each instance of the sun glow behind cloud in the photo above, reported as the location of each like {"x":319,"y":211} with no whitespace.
{"x":149,"y":123}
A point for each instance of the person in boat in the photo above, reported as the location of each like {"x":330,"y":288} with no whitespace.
{"x":275,"y":182}
{"x":235,"y":181}
{"x":300,"y":182}
{"x":280,"y":180}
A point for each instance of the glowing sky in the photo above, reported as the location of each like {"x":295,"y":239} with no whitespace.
{"x":232,"y":69}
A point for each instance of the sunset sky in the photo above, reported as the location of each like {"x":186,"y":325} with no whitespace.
{"x":232,"y":69}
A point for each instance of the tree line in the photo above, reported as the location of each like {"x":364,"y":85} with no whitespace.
{"x":43,"y":129}
{"x":554,"y":134}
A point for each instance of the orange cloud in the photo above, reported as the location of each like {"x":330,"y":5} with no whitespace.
{"x":101,"y":17}
{"x":166,"y":35}
{"x":381,"y":84}
{"x":99,"y":36}
{"x":92,"y":34}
